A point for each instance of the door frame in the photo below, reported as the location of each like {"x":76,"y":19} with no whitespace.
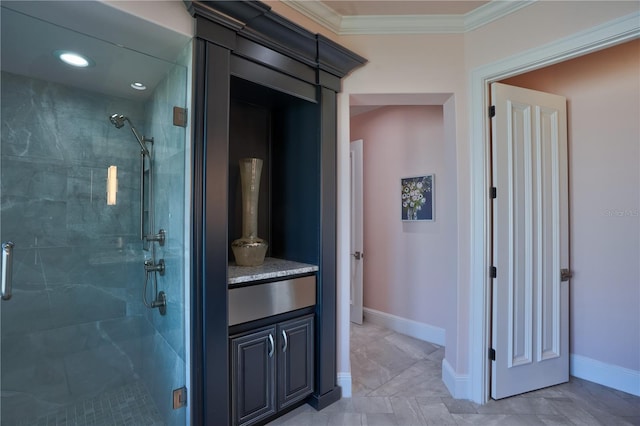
{"x":606,"y":35}
{"x":356,"y":191}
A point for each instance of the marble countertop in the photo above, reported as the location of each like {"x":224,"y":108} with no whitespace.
{"x":271,"y":268}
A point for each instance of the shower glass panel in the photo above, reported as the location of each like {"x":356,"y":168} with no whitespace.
{"x":78,"y":341}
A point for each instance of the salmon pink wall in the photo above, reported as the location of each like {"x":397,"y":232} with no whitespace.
{"x":603,"y":106}
{"x":443,"y":63}
{"x":409,"y":266}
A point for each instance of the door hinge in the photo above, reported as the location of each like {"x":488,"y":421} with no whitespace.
{"x":179,"y":398}
{"x":493,"y":192}
{"x":179,"y":116}
{"x":493,"y":272}
{"x":492,"y":111}
{"x":492,"y":354}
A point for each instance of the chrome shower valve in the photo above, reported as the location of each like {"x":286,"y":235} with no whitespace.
{"x":149,"y":266}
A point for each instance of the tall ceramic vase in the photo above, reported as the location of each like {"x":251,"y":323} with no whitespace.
{"x":250,"y":250}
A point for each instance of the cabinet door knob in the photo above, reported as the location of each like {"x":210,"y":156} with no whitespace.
{"x":286,"y":342}
{"x":272,"y":346}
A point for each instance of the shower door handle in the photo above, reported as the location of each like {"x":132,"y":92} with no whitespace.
{"x":7,"y":269}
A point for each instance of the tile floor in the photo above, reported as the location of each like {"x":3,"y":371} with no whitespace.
{"x":129,"y":405}
{"x":397,"y":381}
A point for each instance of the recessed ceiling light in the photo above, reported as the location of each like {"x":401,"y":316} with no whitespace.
{"x":138,"y":86}
{"x":73,"y":59}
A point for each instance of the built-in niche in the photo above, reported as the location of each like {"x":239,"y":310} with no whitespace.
{"x":282,"y":130}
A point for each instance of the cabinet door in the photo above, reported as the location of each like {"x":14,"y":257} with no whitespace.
{"x":253,"y":376}
{"x":295,"y":360}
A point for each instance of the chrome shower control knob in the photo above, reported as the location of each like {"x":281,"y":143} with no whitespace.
{"x":149,"y":266}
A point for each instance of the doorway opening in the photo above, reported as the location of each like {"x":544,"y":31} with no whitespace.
{"x":405,"y":135}
{"x":615,"y":33}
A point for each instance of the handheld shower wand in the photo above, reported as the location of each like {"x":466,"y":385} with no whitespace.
{"x":118,"y":121}
{"x":146,"y":187}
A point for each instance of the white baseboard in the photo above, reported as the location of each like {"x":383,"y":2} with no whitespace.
{"x":412,"y":328}
{"x":344,"y":381}
{"x":612,"y":376}
{"x":458,"y":385}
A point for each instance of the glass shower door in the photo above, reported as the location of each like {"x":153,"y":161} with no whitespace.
{"x":77,"y":339}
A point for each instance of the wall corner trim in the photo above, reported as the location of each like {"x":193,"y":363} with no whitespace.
{"x":418,"y":330}
{"x":457,"y":384}
{"x":344,"y":381}
{"x":609,"y":375}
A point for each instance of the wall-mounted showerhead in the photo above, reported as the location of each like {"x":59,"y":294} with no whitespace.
{"x":118,"y":121}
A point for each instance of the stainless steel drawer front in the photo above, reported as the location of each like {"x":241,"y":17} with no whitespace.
{"x":264,"y":300}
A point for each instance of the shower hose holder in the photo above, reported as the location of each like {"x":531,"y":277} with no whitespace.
{"x":160,"y":237}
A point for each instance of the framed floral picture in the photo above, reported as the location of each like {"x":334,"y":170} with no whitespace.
{"x":417,"y":198}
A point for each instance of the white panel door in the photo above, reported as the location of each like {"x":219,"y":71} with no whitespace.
{"x":356,"y":231}
{"x":530,"y":312}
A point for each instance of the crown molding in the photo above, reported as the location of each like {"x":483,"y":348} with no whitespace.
{"x":492,"y":11}
{"x":406,"y":24}
{"x":318,"y":12}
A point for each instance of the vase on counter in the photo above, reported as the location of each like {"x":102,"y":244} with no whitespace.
{"x":250,"y":249}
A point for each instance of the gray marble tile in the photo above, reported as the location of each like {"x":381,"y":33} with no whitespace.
{"x":28,"y":271}
{"x":518,"y":406}
{"x":345,"y":405}
{"x":573,"y":411}
{"x":622,"y":406}
{"x":94,"y":371}
{"x":417,"y":396}
{"x":380,"y":419}
{"x":407,"y":411}
{"x":25,"y":221}
{"x":460,"y":406}
{"x":366,"y":334}
{"x":346,"y":419}
{"x":22,"y":177}
{"x":435,"y":412}
{"x":497,"y":419}
{"x":371,"y":405}
{"x":604,"y":414}
{"x":28,"y":311}
{"x":18,"y":397}
{"x":303,"y":416}
{"x":76,"y":304}
{"x":387,"y":357}
{"x":414,"y":348}
{"x":367,"y":373}
{"x":437,"y":355}
{"x":423,"y":378}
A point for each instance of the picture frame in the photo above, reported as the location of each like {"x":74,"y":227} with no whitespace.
{"x":417,"y":198}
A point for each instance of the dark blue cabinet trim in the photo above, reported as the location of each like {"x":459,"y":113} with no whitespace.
{"x":246,"y":40}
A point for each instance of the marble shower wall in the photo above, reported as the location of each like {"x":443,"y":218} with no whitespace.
{"x":167,"y":367}
{"x":76,"y":326}
{"x":71,"y":247}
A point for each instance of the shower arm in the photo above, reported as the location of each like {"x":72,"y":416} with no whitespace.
{"x":141,"y":140}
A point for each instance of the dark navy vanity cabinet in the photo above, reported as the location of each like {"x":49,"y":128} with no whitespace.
{"x":263,"y":87}
{"x":271,"y":369}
